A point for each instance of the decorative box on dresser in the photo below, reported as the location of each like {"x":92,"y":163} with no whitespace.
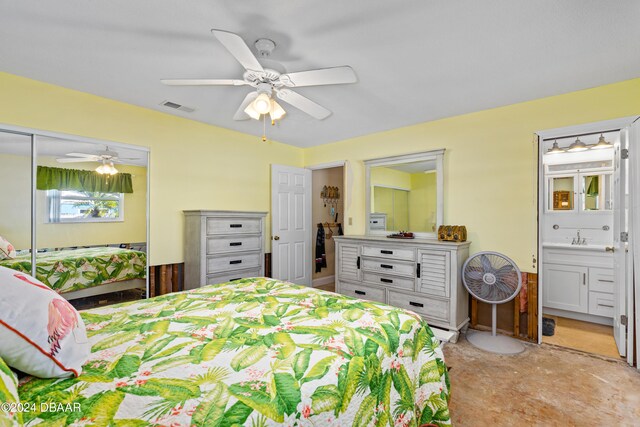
{"x":222,"y":245}
{"x":422,"y":275}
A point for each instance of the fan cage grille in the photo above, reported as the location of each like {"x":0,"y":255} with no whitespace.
{"x":491,"y":277}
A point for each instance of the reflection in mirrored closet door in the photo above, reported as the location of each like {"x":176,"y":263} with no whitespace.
{"x":15,"y":201}
{"x":90,"y":218}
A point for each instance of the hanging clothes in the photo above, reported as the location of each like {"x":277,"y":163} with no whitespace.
{"x":340,"y":232}
{"x":321,"y":255}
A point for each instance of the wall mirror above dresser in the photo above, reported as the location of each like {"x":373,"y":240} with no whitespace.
{"x":405,"y":193}
{"x":76,"y":213}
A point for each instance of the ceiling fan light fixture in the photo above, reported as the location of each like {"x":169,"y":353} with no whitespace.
{"x":107,"y":168}
{"x":277,"y":112}
{"x":602,"y":143}
{"x":262,"y":104}
{"x":251,"y":111}
{"x":577,"y":145}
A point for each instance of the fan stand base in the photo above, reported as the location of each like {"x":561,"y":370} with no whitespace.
{"x":494,"y":343}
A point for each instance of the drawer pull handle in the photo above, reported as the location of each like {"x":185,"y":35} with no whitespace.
{"x":235,"y":244}
{"x":375,"y":222}
{"x":387,"y":266}
{"x":383,"y":280}
{"x":233,"y":280}
{"x":386,"y":252}
{"x":416,"y":304}
{"x":236,"y":261}
{"x":606,"y":281}
{"x":358,"y":263}
{"x":418,"y":271}
{"x":360,"y":292}
{"x":235,"y":225}
{"x":605,"y":305}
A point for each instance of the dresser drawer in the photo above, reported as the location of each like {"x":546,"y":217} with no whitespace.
{"x":389,"y":253}
{"x":601,"y":304}
{"x":216,"y":245}
{"x":234,"y":225}
{"x":601,"y":280}
{"x":428,"y":307}
{"x":434,"y":273}
{"x":389,"y":267}
{"x":389,"y":281}
{"x":235,"y":275}
{"x":222,"y":264}
{"x":362,"y":291}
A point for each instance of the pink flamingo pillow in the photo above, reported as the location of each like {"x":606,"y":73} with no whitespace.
{"x":6,"y":249}
{"x":40,"y":332}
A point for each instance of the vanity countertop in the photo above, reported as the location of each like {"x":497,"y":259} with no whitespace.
{"x":587,"y":247}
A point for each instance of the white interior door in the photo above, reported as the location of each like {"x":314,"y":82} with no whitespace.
{"x":620,"y":233}
{"x":291,"y":224}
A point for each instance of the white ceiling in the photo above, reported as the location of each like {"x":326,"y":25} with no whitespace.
{"x":417,"y":60}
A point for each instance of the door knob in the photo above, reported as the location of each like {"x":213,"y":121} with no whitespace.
{"x":610,"y":249}
{"x":276,"y":237}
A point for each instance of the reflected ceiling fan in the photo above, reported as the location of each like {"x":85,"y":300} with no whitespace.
{"x":107,"y":158}
{"x":268,"y":82}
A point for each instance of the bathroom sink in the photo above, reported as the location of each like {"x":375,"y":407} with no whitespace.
{"x":587,"y":247}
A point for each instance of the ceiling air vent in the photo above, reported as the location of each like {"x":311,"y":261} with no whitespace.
{"x":176,"y":106}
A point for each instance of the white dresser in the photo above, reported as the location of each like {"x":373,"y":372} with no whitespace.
{"x":421,"y":275}
{"x":222,"y":245}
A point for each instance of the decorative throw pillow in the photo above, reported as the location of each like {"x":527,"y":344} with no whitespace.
{"x":9,"y":399}
{"x":6,"y":249}
{"x":41,"y":334}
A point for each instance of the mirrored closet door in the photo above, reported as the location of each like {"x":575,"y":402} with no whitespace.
{"x":90,"y":218}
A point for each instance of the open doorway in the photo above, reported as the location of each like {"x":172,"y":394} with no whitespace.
{"x":327,"y":213}
{"x":583,"y":252}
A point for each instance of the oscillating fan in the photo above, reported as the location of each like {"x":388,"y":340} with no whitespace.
{"x":495,"y":279}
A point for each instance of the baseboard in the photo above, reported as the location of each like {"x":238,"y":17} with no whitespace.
{"x":607,"y":321}
{"x":323,"y":281}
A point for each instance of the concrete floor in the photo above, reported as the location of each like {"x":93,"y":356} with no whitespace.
{"x":545,"y":385}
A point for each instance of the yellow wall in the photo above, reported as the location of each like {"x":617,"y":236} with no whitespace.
{"x":489,"y":164}
{"x":423,"y":202}
{"x":193,"y":165}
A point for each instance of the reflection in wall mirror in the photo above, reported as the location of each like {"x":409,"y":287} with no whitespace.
{"x":597,"y":190}
{"x":405,"y":193}
{"x":15,"y":199}
{"x":90,"y":219}
{"x":562,"y":193}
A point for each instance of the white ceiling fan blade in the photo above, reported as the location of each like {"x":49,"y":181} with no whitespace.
{"x":240,"y":114}
{"x":80,"y":155}
{"x":239,"y":49}
{"x":76,"y":159}
{"x":304,"y":104}
{"x":323,"y":76}
{"x":203,"y":82}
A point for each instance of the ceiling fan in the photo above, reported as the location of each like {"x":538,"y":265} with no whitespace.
{"x":107,"y":158}
{"x":268,"y":82}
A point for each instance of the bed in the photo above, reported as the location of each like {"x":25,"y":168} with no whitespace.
{"x":85,"y":272}
{"x":251,"y":352}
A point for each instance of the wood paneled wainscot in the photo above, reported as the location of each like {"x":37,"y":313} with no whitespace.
{"x":223,"y":245}
{"x":421,"y":275}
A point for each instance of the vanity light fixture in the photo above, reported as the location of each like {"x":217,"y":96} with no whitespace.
{"x":577,"y":146}
{"x":555,"y":148}
{"x":601,"y":144}
{"x":106,"y":168}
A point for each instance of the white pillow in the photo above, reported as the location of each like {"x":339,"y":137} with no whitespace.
{"x":41,"y":334}
{"x":6,"y":249}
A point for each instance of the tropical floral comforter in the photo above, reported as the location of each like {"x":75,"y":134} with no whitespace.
{"x":72,"y":270}
{"x":252,"y":352}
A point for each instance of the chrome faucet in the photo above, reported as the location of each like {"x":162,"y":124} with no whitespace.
{"x":578,"y":241}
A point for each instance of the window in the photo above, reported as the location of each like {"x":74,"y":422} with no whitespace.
{"x":81,"y":206}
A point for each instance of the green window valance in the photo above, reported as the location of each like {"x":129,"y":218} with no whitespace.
{"x":82,"y":180}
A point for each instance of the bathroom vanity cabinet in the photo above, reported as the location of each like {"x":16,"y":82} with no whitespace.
{"x":578,"y":282}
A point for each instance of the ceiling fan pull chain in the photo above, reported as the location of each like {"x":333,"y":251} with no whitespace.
{"x":264,"y":128}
